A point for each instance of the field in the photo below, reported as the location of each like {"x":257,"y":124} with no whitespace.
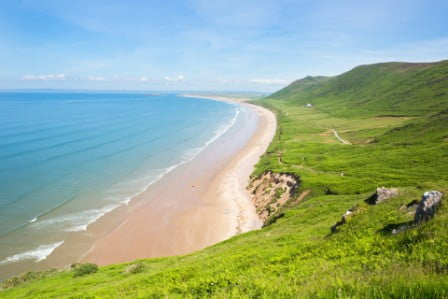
{"x":394,"y":118}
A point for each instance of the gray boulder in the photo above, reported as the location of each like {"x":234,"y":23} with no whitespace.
{"x":382,"y":194}
{"x":427,"y":207}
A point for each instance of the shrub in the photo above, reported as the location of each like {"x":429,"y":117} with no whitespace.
{"x":135,"y":268}
{"x":85,"y":269}
{"x":27,"y":277}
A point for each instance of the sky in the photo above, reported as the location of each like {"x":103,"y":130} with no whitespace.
{"x":227,"y":45}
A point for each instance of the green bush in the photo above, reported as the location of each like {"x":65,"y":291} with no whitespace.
{"x":85,"y":269}
{"x":135,"y":268}
{"x":27,"y":277}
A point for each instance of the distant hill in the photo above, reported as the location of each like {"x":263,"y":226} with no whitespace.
{"x":384,"y":89}
{"x":299,"y":86}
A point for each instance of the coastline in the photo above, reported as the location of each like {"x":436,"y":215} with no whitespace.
{"x":209,"y":203}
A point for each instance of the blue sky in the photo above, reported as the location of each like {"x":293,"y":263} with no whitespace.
{"x":208,"y":45}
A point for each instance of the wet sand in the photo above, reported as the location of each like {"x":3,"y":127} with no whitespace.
{"x":198,"y":204}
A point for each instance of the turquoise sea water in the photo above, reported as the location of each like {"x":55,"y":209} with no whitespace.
{"x":66,"y":159}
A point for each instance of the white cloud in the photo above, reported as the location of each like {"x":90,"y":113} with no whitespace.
{"x":270,"y":81}
{"x":174,"y":79}
{"x":45,"y":77}
{"x":119,"y":79}
{"x":96,"y":78}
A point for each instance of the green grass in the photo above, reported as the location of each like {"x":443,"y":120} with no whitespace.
{"x":387,"y":151}
{"x":394,"y":143}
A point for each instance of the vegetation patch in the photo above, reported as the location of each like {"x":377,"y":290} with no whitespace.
{"x":84,"y":269}
{"x":135,"y":268}
{"x":27,"y":277}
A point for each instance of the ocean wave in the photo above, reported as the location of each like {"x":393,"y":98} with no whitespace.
{"x":192,"y":153}
{"x":75,"y":222}
{"x":39,"y":254}
{"x":125,"y":200}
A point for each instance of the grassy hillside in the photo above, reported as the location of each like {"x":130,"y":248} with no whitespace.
{"x":395,"y":118}
{"x":386,"y":89}
{"x":394,"y":143}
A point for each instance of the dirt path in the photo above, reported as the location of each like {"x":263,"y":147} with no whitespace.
{"x":339,"y":137}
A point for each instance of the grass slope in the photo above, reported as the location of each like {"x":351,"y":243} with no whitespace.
{"x":379,"y":89}
{"x":393,"y":143}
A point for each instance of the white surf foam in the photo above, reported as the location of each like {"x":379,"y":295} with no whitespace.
{"x":75,"y":222}
{"x":148,"y":181}
{"x":38,"y":254}
{"x":191,"y":154}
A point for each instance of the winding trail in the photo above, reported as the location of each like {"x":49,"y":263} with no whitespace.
{"x":339,"y":137}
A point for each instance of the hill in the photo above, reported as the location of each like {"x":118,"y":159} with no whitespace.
{"x":393,"y":118}
{"x":385,"y":89}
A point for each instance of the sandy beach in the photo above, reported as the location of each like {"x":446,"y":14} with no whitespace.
{"x":198,"y":204}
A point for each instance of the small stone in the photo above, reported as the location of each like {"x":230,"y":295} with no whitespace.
{"x":399,"y":229}
{"x":347,"y":216}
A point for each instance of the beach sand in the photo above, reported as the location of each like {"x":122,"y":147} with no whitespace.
{"x":198,"y":204}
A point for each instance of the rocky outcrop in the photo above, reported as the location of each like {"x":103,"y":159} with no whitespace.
{"x":382,"y":194}
{"x":427,"y":207}
{"x":270,"y":191}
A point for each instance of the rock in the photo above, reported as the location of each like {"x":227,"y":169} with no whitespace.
{"x":346,"y":217}
{"x":385,"y":193}
{"x":428,"y":206}
{"x":382,"y":194}
{"x":399,"y":229}
{"x":334,"y":228}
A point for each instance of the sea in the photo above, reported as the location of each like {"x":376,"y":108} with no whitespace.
{"x":69,"y":158}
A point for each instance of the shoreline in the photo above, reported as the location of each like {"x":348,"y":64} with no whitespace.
{"x":215,"y":204}
{"x":233,"y":180}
